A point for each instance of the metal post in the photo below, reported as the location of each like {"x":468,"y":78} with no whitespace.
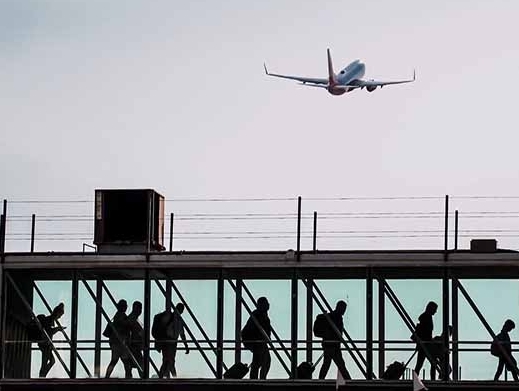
{"x":381,"y":328}
{"x":219,"y":326}
{"x":298,"y":228}
{"x":237,"y":322}
{"x":147,"y":321}
{"x":98,"y":325}
{"x":172,"y":216}
{"x":33,"y":227}
{"x":169,"y":284}
{"x":314,"y":247}
{"x":294,"y":328}
{"x":369,"y":323}
{"x":2,"y":231}
{"x":309,"y":320}
{"x":455,"y":334}
{"x":456,"y":230}
{"x":73,"y":332}
{"x":446,"y":237}
{"x":445,"y":290}
{"x":3,"y":316}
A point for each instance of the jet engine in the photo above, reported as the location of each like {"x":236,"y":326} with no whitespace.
{"x":371,"y":88}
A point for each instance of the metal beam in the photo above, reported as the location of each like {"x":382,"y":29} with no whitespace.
{"x":237,"y":321}
{"x":455,"y":333}
{"x":191,"y":335}
{"x":219,"y":326}
{"x":293,"y":323}
{"x":147,"y":322}
{"x":73,"y":321}
{"x":369,"y":323}
{"x":98,"y":331}
{"x":265,"y":336}
{"x":309,"y":320}
{"x":29,"y":308}
{"x":381,"y":327}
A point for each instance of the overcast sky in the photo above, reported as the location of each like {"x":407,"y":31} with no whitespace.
{"x":172,"y":95}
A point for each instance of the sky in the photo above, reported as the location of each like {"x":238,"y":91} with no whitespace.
{"x":172,"y":96}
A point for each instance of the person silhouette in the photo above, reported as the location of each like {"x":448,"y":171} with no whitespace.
{"x":119,"y":340}
{"x":45,"y":345}
{"x":256,"y":341}
{"x":424,"y":330}
{"x":170,"y":326}
{"x":332,"y":342}
{"x":136,"y":337}
{"x":437,"y":351}
{"x":504,"y":339}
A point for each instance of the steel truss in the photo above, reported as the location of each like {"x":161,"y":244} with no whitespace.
{"x":285,"y":351}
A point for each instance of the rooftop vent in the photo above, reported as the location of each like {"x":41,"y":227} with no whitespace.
{"x":128,"y":221}
{"x":483,"y":245}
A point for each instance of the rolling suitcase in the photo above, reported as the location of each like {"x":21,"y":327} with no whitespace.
{"x":237,"y":371}
{"x":396,"y":369}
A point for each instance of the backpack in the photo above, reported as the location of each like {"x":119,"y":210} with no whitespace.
{"x":34,"y":331}
{"x":304,"y":370}
{"x":321,"y":326}
{"x":394,"y":371}
{"x":109,"y":330}
{"x":494,"y":348}
{"x":249,"y":334}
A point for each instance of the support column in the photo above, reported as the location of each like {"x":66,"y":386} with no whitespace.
{"x":294,"y":328}
{"x":369,"y":324}
{"x":381,"y":328}
{"x":309,"y":319}
{"x":98,"y":325}
{"x":455,"y":334}
{"x":237,"y":322}
{"x":147,"y":318}
{"x":219,"y":327}
{"x":74,"y":322}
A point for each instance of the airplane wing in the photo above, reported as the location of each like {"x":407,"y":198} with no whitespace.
{"x":378,"y":83}
{"x":298,"y":78}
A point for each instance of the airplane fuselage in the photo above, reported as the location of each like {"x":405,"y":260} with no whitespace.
{"x":347,"y":76}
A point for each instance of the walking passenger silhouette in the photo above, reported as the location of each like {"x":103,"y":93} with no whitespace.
{"x":332,"y":341}
{"x":45,"y":344}
{"x":504,"y":353}
{"x":136,"y":337}
{"x":167,"y":328}
{"x":118,"y":335}
{"x":256,"y":341}
{"x":424,"y":330}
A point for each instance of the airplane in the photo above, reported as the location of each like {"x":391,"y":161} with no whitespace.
{"x":346,"y":80}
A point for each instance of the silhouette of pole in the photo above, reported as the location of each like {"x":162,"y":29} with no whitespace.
{"x":33,"y":226}
{"x":298,"y":228}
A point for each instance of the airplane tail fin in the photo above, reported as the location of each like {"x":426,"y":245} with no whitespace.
{"x":332,"y":79}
